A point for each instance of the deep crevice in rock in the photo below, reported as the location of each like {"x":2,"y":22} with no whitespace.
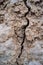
{"x":27,"y":6}
{"x":24,"y":27}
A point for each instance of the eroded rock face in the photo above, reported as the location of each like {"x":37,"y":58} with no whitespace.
{"x":12,"y":32}
{"x":21,"y":32}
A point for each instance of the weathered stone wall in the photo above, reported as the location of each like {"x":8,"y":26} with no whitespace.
{"x":21,"y":32}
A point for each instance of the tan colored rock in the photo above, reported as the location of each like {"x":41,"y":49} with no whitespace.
{"x":33,"y":44}
{"x":21,"y":32}
{"x":11,"y":32}
{"x":9,"y":51}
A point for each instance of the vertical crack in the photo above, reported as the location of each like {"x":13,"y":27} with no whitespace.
{"x":27,"y":6}
{"x":24,"y":27}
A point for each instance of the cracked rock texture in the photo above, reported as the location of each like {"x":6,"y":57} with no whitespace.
{"x":21,"y":32}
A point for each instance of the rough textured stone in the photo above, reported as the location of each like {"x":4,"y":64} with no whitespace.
{"x":33,"y":44}
{"x":21,"y":32}
{"x":34,"y":63}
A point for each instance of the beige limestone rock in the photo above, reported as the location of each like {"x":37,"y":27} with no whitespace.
{"x":11,"y":32}
{"x":21,"y":32}
{"x":33,"y":44}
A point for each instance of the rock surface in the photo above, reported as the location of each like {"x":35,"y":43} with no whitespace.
{"x":21,"y":32}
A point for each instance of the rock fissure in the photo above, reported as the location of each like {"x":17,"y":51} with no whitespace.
{"x":27,"y":7}
{"x":21,"y":32}
{"x":24,"y":27}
